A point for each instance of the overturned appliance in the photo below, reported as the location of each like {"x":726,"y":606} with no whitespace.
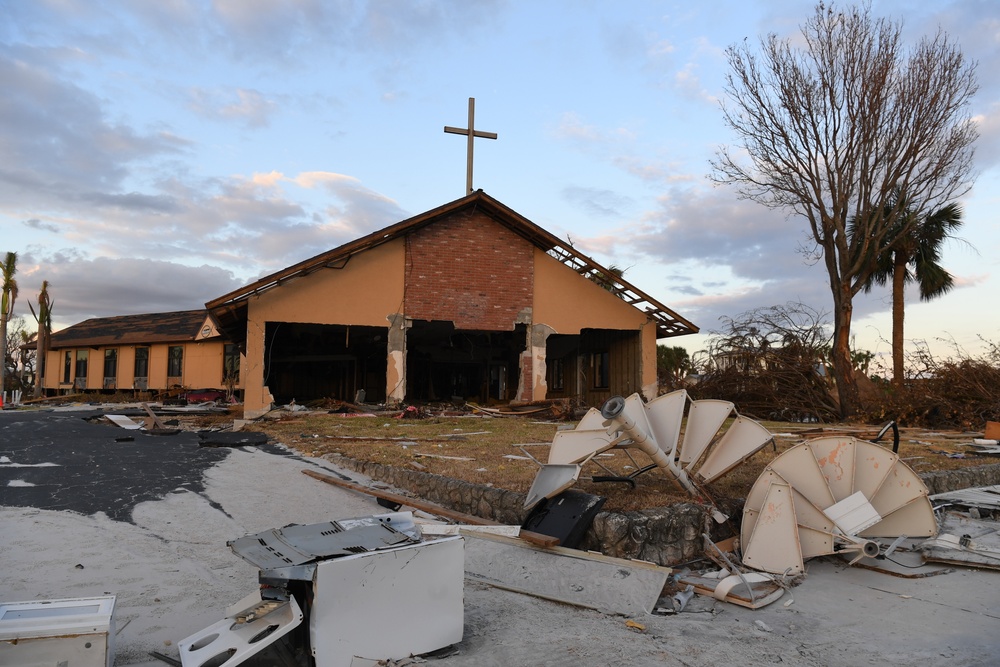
{"x":653,"y":428}
{"x":340,"y":593}
{"x":831,"y":495}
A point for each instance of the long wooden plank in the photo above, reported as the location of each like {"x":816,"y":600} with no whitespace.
{"x":454,"y":515}
{"x":580,"y":578}
{"x":156,"y":420}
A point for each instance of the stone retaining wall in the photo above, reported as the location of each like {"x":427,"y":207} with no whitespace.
{"x":663,"y":535}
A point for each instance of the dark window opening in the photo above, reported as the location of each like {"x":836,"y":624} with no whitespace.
{"x":141,"y":363}
{"x":556,"y":375}
{"x":110,"y":368}
{"x":81,"y":368}
{"x":68,"y":368}
{"x":230,"y":363}
{"x":175,"y":361}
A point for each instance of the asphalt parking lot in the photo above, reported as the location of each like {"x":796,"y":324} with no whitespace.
{"x":60,"y":461}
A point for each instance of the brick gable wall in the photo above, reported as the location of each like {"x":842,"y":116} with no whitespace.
{"x":469,"y":270}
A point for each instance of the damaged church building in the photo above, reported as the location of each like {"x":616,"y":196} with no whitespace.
{"x":466,"y":302}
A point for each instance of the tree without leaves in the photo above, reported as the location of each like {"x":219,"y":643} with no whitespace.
{"x":831,"y":129}
{"x":920,"y":248}
{"x":44,"y":319}
{"x":18,"y":352}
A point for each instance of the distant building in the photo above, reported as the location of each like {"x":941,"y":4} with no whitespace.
{"x":470,"y":300}
{"x":153,"y":351}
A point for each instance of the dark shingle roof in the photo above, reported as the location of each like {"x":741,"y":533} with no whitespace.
{"x":179,"y":326}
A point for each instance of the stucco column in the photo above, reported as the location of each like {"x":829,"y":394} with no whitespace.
{"x":647,"y":344}
{"x":257,"y":398}
{"x":532,"y":385}
{"x":395,"y":367}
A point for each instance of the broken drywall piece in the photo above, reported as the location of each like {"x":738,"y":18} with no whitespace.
{"x":965,"y":540}
{"x":982,"y":497}
{"x":593,"y":581}
{"x":123,"y":422}
{"x":438,"y":529}
{"x":415,"y":591}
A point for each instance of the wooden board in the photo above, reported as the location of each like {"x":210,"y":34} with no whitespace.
{"x":580,"y":578}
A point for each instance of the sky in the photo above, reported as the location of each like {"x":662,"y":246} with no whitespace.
{"x":157,"y":155}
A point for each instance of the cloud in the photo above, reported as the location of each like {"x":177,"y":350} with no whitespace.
{"x":58,"y":144}
{"x":598,"y":202}
{"x":708,"y":255}
{"x":102,"y":287}
{"x":35,"y":223}
{"x":249,"y":107}
{"x":711,"y":226}
{"x":988,"y":144}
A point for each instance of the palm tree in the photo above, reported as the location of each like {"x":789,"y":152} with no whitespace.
{"x":8,"y":295}
{"x":912,"y":252}
{"x":44,"y":319}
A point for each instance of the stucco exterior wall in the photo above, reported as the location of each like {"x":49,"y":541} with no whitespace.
{"x":367,"y":291}
{"x":568,"y":304}
{"x":201,"y":366}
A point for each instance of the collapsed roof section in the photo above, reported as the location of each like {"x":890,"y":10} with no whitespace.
{"x":230,"y":310}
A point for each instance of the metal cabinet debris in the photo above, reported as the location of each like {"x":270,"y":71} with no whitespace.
{"x":331,"y":592}
{"x":72,"y":631}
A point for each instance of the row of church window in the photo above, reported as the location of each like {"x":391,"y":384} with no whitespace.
{"x":76,"y":364}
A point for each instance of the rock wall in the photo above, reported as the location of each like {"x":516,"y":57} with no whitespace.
{"x":662,"y":535}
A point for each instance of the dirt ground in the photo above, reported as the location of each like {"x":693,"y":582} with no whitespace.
{"x":497,"y":451}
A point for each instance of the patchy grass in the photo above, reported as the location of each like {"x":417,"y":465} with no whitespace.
{"x":485,"y":451}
